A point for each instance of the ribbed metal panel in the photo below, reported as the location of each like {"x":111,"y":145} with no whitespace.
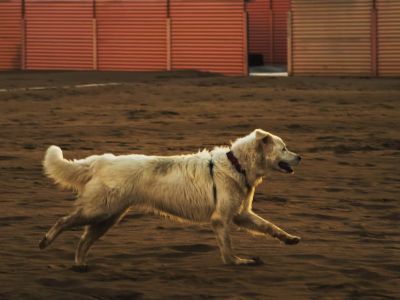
{"x":388,"y":37}
{"x":260,"y":28}
{"x":132,"y":34}
{"x":59,"y":34}
{"x":331,"y":37}
{"x":280,"y":9}
{"x":10,"y":34}
{"x":268,"y":29}
{"x":209,"y":35}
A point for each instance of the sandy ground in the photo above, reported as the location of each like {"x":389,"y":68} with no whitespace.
{"x":343,"y":199}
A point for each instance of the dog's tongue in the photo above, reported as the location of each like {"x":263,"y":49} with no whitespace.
{"x":285,"y":166}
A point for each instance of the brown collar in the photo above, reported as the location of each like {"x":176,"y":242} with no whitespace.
{"x":234,"y":161}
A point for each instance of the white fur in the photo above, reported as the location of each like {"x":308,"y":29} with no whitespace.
{"x":180,"y":187}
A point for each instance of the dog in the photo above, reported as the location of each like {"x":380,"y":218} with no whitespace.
{"x":215,"y":187}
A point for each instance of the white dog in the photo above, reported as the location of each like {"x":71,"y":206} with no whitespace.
{"x":215,"y":187}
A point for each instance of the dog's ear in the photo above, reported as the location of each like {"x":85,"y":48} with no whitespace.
{"x":262,"y":136}
{"x":266,"y":140}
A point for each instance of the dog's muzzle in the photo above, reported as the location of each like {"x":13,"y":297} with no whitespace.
{"x":285,"y":166}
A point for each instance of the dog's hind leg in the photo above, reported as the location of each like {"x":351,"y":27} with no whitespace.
{"x":74,"y":219}
{"x":253,"y":222}
{"x":80,"y":217}
{"x":92,"y":233}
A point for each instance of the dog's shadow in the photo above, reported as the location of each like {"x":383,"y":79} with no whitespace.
{"x":186,"y":250}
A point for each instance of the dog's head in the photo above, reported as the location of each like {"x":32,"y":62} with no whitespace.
{"x":274,"y":153}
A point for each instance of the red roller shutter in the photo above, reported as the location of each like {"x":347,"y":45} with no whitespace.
{"x":260,"y":28}
{"x":331,"y":37}
{"x":388,"y":37}
{"x":209,"y":35}
{"x":10,"y":34}
{"x":268,"y":29}
{"x":59,"y":34}
{"x":132,"y":34}
{"x":280,"y":9}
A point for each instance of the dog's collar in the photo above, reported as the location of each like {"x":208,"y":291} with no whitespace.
{"x":234,"y":161}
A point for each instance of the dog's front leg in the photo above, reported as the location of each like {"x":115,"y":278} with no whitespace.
{"x":249,"y":220}
{"x":222,"y":232}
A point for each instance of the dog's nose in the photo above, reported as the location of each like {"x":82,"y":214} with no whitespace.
{"x":298,"y":157}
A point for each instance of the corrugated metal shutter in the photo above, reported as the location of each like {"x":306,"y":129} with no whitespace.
{"x":331,"y":37}
{"x":280,"y":9}
{"x":209,"y":35}
{"x":132,"y":34}
{"x":268,"y":29}
{"x":388,"y":37}
{"x":10,"y":34}
{"x":260,"y":28}
{"x":59,"y":34}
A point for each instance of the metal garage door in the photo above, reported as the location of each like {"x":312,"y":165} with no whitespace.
{"x":260,"y":29}
{"x":59,"y":34}
{"x":10,"y":34}
{"x":388,"y":37}
{"x":209,"y":35}
{"x":331,"y":37}
{"x":268,"y":29}
{"x":280,"y":9}
{"x":132,"y":34}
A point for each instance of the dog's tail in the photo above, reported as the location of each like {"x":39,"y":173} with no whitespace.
{"x":69,"y":174}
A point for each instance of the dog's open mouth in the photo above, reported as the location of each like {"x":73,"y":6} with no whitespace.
{"x":285,"y":166}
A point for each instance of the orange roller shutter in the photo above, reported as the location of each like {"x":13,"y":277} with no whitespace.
{"x":209,"y":35}
{"x":132,"y":35}
{"x":59,"y":34}
{"x":388,"y":37}
{"x":331,"y":37}
{"x":10,"y":34}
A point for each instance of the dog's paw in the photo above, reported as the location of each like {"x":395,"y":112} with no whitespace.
{"x":238,"y":261}
{"x":80,"y":268}
{"x":43,"y":243}
{"x":292,"y":240}
{"x":257,"y":261}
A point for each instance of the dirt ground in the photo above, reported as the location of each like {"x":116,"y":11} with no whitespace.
{"x":343,"y":199}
